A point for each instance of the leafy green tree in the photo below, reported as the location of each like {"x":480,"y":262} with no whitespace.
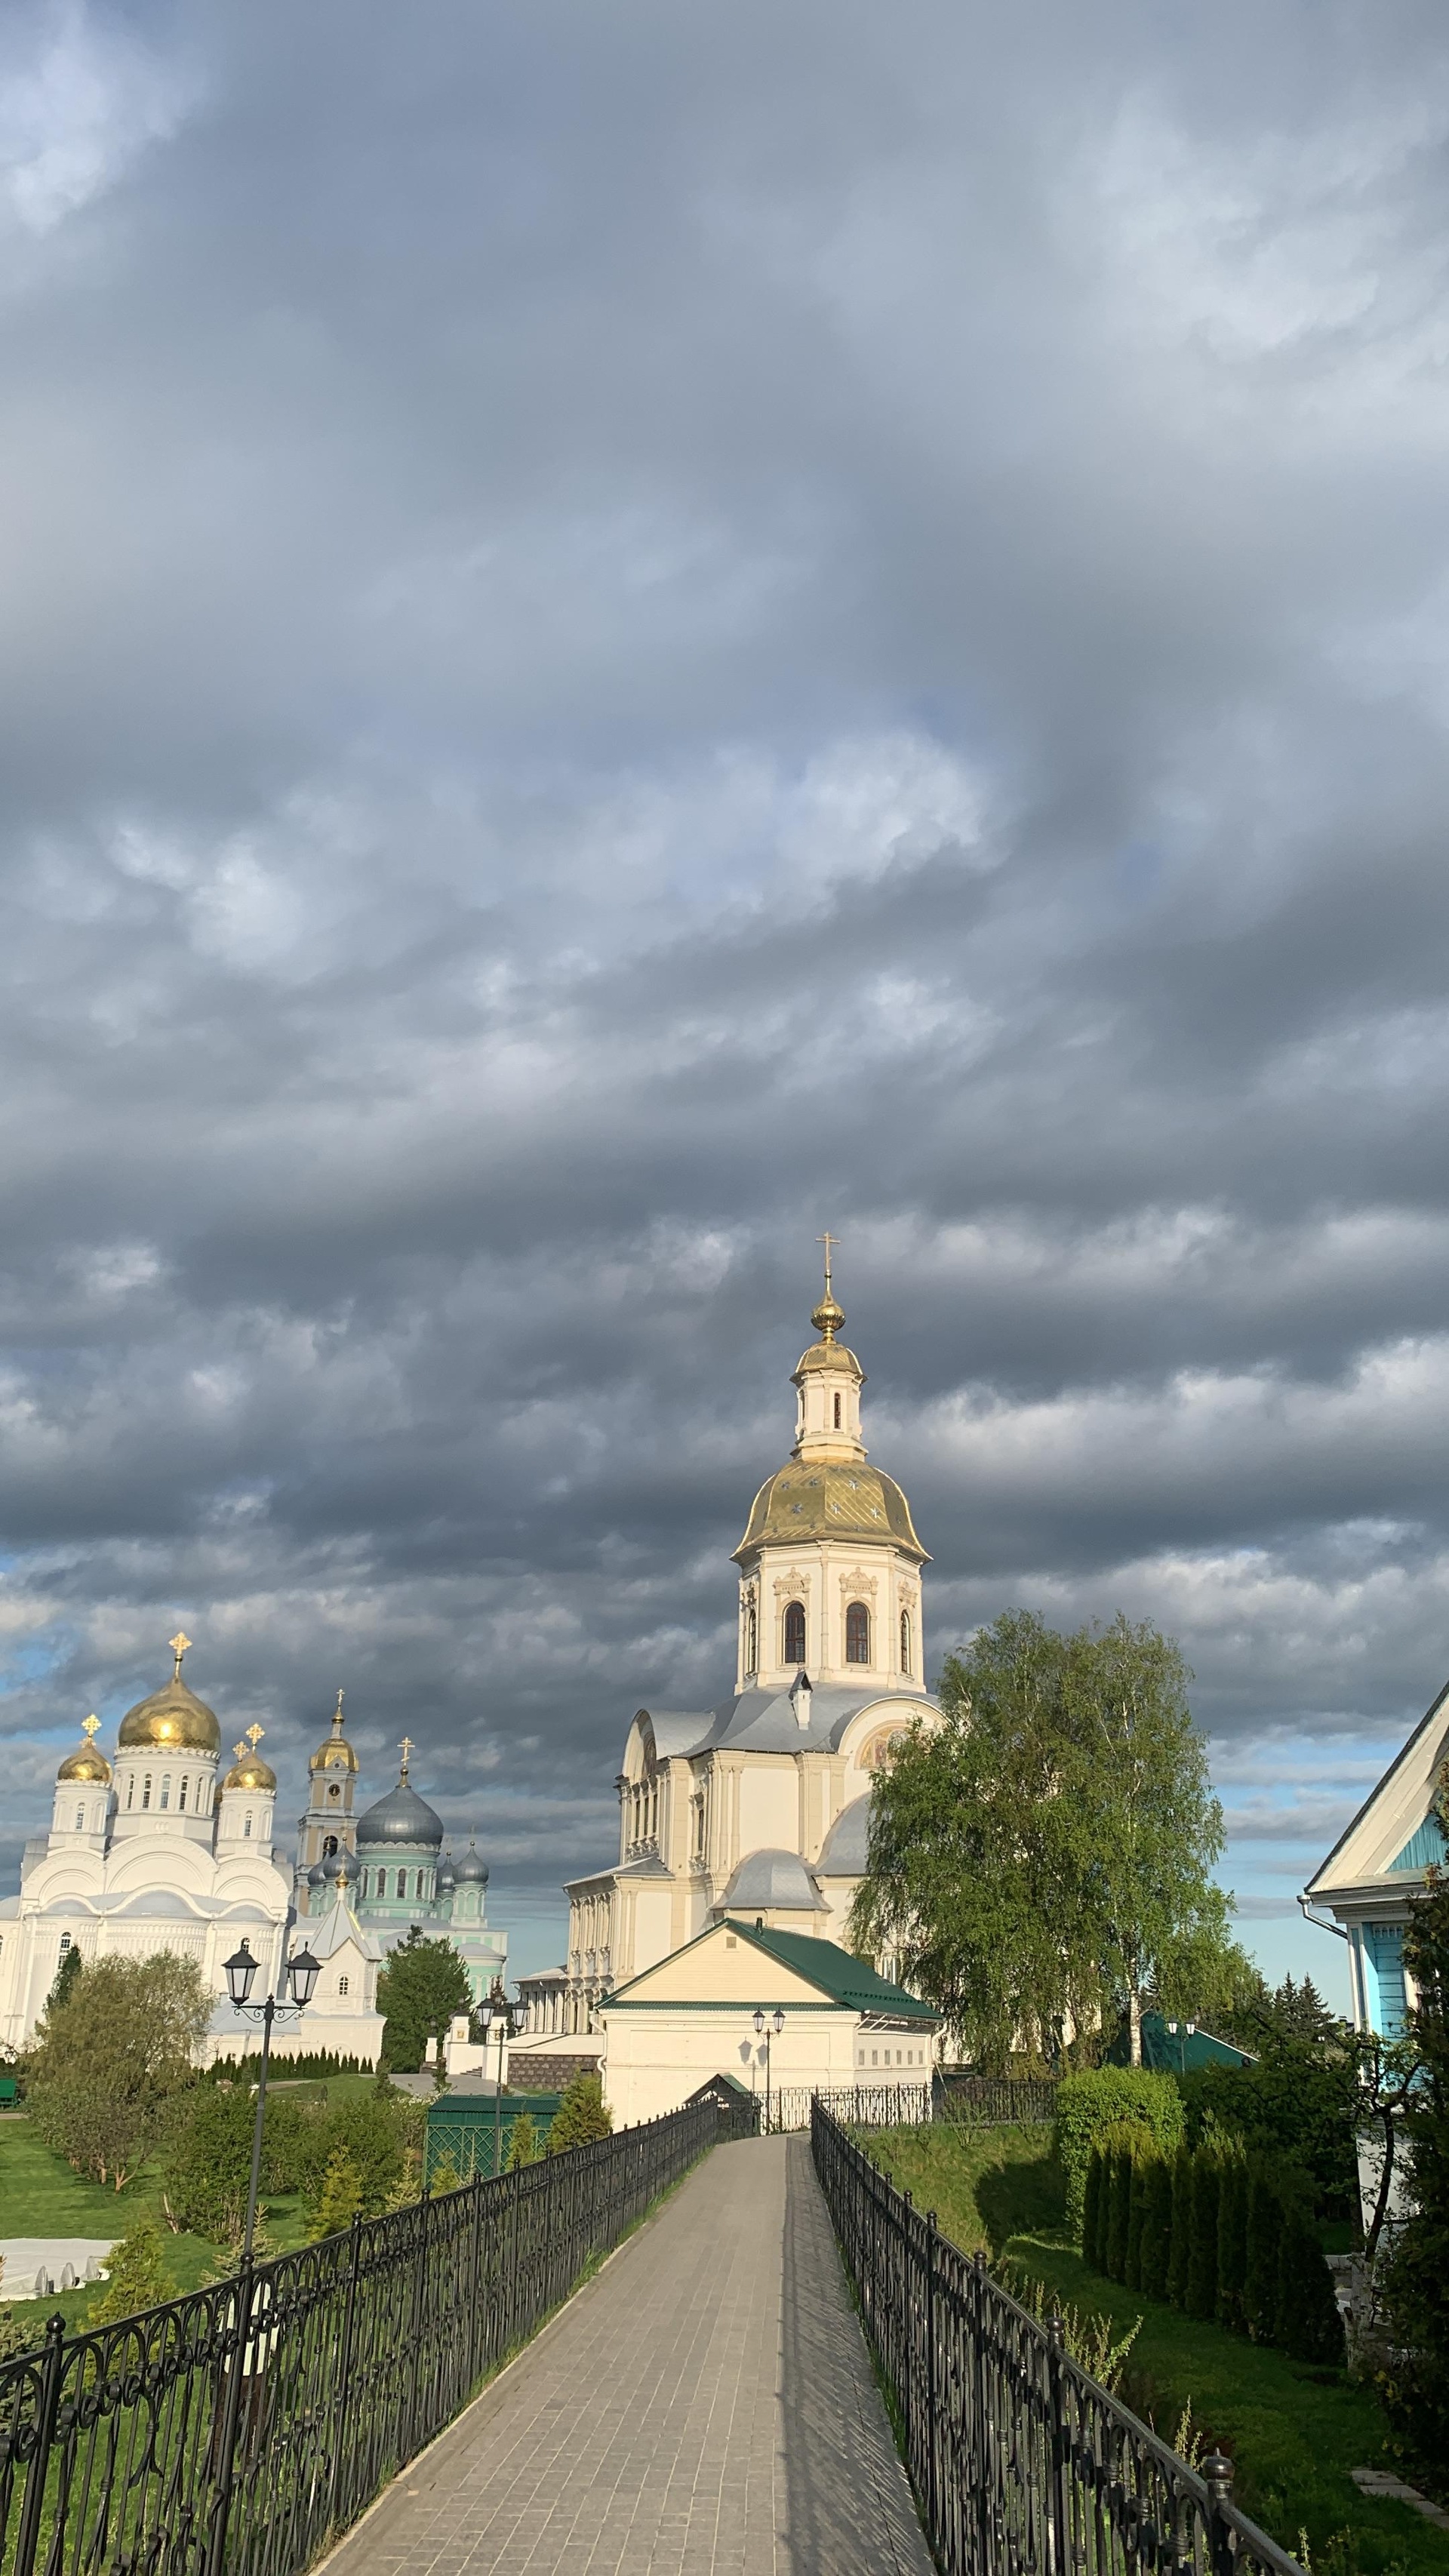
{"x":110,"y":2057}
{"x":1089,"y":2105}
{"x":424,"y":1983}
{"x":339,"y":2199}
{"x":136,"y":2275}
{"x":206,"y":2158}
{"x":581,"y":2116}
{"x":1043,"y":1861}
{"x":1300,"y":2103}
{"x":1413,"y":2280}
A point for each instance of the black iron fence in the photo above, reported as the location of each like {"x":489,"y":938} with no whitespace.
{"x":227,"y":2434}
{"x":1022,"y":2465}
{"x":998,"y":2102}
{"x":860,"y":2106}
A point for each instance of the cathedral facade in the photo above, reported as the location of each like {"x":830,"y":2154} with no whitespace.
{"x":149,"y":1851}
{"x":758,"y":1809}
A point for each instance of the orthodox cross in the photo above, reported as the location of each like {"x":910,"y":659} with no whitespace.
{"x":178,"y":1645}
{"x":240,"y":1750}
{"x":337,"y":1715}
{"x":254,"y":1736}
{"x":828,"y":1240}
{"x":90,"y":1726}
{"x":407,"y":1748}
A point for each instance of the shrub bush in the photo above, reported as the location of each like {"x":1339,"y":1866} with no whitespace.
{"x":1142,"y":2165}
{"x":1119,"y":2203}
{"x":1107,"y":2098}
{"x":1092,"y":2211}
{"x":1298,"y":2102}
{"x":136,"y":2276}
{"x":1263,"y":2235}
{"x":523,"y":2147}
{"x":1157,"y":2226}
{"x":581,"y":2116}
{"x":1306,"y":2322}
{"x":1232,"y":2241}
{"x":1202,"y":2259}
{"x":339,"y":2198}
{"x":1180,"y":2232}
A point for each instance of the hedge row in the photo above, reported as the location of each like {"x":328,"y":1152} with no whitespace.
{"x":1089,"y":2105}
{"x":1215,"y":2233}
{"x":314,"y":2062}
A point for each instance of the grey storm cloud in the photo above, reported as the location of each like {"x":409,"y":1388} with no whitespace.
{"x":627,"y":634}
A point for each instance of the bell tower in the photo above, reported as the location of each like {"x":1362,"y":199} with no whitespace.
{"x":328,"y":1826}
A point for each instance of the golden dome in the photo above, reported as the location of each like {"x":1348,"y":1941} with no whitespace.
{"x":87,"y":1762}
{"x":251,"y":1773}
{"x":812,"y":1499}
{"x":334,"y":1753}
{"x":173,"y":1720}
{"x":829,"y":1354}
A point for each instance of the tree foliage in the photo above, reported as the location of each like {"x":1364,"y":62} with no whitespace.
{"x":1110,"y":2098}
{"x":339,"y":2197}
{"x":1042,"y":1861}
{"x":109,"y":2058}
{"x":424,"y":1983}
{"x":136,"y":2275}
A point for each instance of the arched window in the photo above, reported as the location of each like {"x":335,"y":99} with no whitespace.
{"x":402,"y":1882}
{"x":752,"y":1639}
{"x":80,"y":1820}
{"x":131,"y":1792}
{"x":181,"y":1801}
{"x":905,"y":1641}
{"x":795,"y":1632}
{"x":837,"y":1413}
{"x":857,"y":1633}
{"x":247,"y":1827}
{"x":64,"y":1943}
{"x":420,"y":1883}
{"x":146,"y":1790}
{"x":329,"y":1845}
{"x":166,"y":1790}
{"x":342,"y":1985}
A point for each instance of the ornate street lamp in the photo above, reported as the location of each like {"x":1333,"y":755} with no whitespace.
{"x":769,"y":2023}
{"x":299,"y":1973}
{"x":496,"y":2013}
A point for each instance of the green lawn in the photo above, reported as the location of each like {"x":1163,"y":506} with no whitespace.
{"x":1294,"y":2434}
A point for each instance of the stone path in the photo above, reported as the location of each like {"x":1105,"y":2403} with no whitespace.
{"x":704,"y":2408}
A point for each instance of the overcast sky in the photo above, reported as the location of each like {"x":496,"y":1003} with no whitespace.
{"x":629,"y":632}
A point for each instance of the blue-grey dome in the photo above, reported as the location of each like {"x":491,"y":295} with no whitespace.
{"x":402,"y":1817}
{"x":844,"y":1852}
{"x":447,"y":1877}
{"x":471,"y":1871}
{"x":774,"y":1879}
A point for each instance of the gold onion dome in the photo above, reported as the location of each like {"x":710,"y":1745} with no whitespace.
{"x":334,"y":1753}
{"x":87,"y":1762}
{"x":249,"y":1771}
{"x":827,"y":1318}
{"x":173,"y":1719}
{"x":811,"y":1498}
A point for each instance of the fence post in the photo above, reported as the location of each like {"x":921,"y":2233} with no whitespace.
{"x":45,"y":2415}
{"x":344,"y":2374}
{"x":981,"y":2412}
{"x":933,"y":2388}
{"x":1217,"y":2472}
{"x":230,"y":2417}
{"x":1061,"y":2491}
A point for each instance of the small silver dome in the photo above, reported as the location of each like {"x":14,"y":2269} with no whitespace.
{"x":773,"y":1879}
{"x":471,"y":1871}
{"x":844,"y":1852}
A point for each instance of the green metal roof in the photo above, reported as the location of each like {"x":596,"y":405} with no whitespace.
{"x":846,"y":1980}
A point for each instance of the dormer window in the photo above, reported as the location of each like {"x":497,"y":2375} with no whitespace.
{"x":857,"y":1633}
{"x":795,"y":1632}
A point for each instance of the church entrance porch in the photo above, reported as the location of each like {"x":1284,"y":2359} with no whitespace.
{"x":704,"y":2405}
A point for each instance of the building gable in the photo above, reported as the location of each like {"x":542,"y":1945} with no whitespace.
{"x":722,"y":1965}
{"x":1396,"y":1820}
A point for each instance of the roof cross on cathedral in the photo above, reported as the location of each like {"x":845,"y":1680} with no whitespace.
{"x":337,"y":1716}
{"x":828,"y":1316}
{"x":90,"y":1726}
{"x":254,"y":1736}
{"x":178,"y":1645}
{"x":407,"y":1748}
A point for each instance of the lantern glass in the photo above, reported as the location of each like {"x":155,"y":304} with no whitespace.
{"x":303,"y":1972}
{"x":240,"y":1970}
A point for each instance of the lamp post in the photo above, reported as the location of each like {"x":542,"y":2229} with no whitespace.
{"x":495,"y":2013}
{"x":300,"y":1973}
{"x":1182,"y":2031}
{"x":769,"y":2023}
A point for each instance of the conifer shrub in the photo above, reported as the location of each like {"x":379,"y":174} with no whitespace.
{"x":1180,"y":2230}
{"x":1232,"y":2242}
{"x":1202,"y":2258}
{"x":1156,"y":2252}
{"x":581,"y":2116}
{"x":136,"y":2276}
{"x":1106,"y":2098}
{"x":1263,"y":2234}
{"x":339,"y":2198}
{"x":1306,"y":2321}
{"x":1092,"y":2206}
{"x":1142,"y":2165}
{"x":523,"y":2146}
{"x":445,"y":2175}
{"x":1119,"y":2205}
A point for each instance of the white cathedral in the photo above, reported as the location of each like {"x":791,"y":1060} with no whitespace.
{"x":758,"y":1809}
{"x":148,"y":1853}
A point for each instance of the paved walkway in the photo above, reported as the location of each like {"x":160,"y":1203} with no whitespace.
{"x":704,"y":2408}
